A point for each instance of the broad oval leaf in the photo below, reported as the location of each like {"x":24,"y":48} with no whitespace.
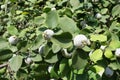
{"x":108,"y":53}
{"x":55,"y":48}
{"x":79,"y":59}
{"x":36,"y":58}
{"x":39,"y":20}
{"x":5,"y":54}
{"x":16,"y":62}
{"x":114,"y":44}
{"x":12,"y":30}
{"x":64,"y":67}
{"x":68,"y":25}
{"x":99,"y":69}
{"x":51,"y":57}
{"x":3,"y":44}
{"x":116,"y":10}
{"x":96,"y":55}
{"x":52,"y":19}
{"x":64,"y":40}
{"x":97,"y":37}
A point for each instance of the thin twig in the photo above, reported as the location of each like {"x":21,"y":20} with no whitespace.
{"x":3,"y":65}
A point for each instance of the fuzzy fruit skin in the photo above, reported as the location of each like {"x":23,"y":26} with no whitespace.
{"x":108,"y":72}
{"x":80,"y":41}
{"x":50,"y":68}
{"x":102,"y":47}
{"x":117,"y":52}
{"x":28,"y":60}
{"x":95,"y":0}
{"x":83,"y":24}
{"x":13,"y":40}
{"x":2,"y":6}
{"x":41,"y":49}
{"x":98,"y":15}
{"x":47,"y":34}
{"x":53,"y":9}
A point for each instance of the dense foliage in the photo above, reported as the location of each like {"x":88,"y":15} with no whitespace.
{"x":60,"y":39}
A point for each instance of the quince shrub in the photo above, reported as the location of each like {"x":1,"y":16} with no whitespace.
{"x":59,"y":39}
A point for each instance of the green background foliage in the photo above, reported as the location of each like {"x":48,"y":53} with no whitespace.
{"x":28,"y":19}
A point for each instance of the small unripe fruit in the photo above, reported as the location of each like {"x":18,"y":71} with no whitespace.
{"x":28,"y":60}
{"x":47,"y":34}
{"x":117,"y":52}
{"x":50,"y":68}
{"x":13,"y":40}
{"x":102,"y":47}
{"x":80,"y":41}
{"x":41,"y":49}
{"x":53,"y":8}
{"x":109,"y":72}
{"x":2,"y":6}
{"x":95,"y":1}
{"x":98,"y":15}
{"x":83,"y":24}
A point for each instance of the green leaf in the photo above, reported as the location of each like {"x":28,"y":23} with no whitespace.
{"x":114,"y":65}
{"x":37,"y":58}
{"x":53,"y":74}
{"x":38,"y":41}
{"x":52,"y":19}
{"x":51,"y":57}
{"x":64,"y":67}
{"x":114,"y":44}
{"x":108,"y":53}
{"x":3,"y":44}
{"x":75,"y":4}
{"x":97,"y":37}
{"x":5,"y":54}
{"x":93,"y":75}
{"x":64,"y":40}
{"x":79,"y":59}
{"x":116,"y":10}
{"x":15,"y":63}
{"x":104,"y":10}
{"x":55,"y":48}
{"x":96,"y":55}
{"x":99,"y":69}
{"x":12,"y":30}
{"x":68,"y":25}
{"x":38,"y":20}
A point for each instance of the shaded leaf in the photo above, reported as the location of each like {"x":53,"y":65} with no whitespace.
{"x":64,"y":40}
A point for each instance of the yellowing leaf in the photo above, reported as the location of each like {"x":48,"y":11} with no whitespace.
{"x":97,"y":37}
{"x":108,"y":53}
{"x":96,"y":55}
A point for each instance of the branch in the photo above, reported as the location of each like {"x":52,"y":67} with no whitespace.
{"x":3,"y":65}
